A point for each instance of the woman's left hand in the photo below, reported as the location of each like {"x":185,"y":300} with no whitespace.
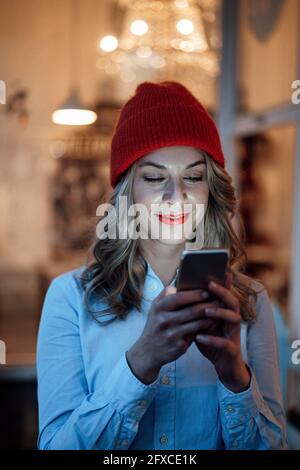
{"x":221,"y":342}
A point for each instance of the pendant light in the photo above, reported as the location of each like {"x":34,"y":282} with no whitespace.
{"x":71,"y":112}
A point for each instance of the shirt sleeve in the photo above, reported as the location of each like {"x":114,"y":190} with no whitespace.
{"x":70,"y":415}
{"x":254,"y":419}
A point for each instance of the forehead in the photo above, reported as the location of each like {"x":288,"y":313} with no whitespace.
{"x":175,"y":155}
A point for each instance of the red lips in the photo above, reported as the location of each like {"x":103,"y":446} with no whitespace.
{"x":173,"y":219}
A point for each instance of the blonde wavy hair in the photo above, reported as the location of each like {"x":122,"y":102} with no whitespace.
{"x":115,"y":268}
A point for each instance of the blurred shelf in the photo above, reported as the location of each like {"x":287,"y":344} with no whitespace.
{"x":22,"y":373}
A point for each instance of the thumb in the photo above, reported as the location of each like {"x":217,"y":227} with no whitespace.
{"x":167,"y":291}
{"x":170,"y":290}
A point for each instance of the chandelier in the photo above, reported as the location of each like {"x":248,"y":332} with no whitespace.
{"x":169,"y":39}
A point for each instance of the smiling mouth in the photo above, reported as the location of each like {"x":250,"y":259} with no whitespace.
{"x":173,"y":219}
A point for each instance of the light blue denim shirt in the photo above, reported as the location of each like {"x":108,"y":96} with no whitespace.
{"x":89,"y":398}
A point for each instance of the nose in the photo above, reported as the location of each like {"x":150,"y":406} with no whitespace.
{"x":174,"y":192}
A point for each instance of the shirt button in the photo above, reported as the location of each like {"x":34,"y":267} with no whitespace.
{"x":165,"y":380}
{"x":230,"y":408}
{"x":125,"y":442}
{"x":163,"y":439}
{"x":143,"y":402}
{"x":235,"y":443}
{"x":153,"y":286}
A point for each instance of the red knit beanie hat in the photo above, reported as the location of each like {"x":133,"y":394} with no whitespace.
{"x":161,"y":115}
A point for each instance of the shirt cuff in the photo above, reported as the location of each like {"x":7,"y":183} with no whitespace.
{"x":238,"y":408}
{"x":125,"y":392}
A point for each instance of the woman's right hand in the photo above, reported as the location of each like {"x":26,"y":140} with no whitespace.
{"x":173,"y":322}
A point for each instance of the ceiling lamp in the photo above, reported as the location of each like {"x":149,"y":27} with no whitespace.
{"x":71,"y":112}
{"x":108,"y":43}
{"x":172,"y":38}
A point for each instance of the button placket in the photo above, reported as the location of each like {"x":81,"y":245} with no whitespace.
{"x":165,"y":409}
{"x":165,"y":397}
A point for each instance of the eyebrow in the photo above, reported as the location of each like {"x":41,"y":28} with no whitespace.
{"x":163,"y":167}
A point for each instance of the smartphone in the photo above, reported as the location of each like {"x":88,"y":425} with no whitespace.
{"x":198,"y":267}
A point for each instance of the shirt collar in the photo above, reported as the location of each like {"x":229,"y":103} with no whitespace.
{"x":153,"y":275}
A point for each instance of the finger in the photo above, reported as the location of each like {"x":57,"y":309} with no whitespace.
{"x":182,"y":298}
{"x":215,"y":341}
{"x":193,"y":327}
{"x":190,"y":313}
{"x":168,"y":290}
{"x":223,"y":314}
{"x":222,"y":292}
{"x":228,"y":280}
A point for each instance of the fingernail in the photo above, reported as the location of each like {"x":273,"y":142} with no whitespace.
{"x":209,"y":310}
{"x":201,"y":338}
{"x":204,"y":295}
{"x":170,"y":290}
{"x":212,"y":284}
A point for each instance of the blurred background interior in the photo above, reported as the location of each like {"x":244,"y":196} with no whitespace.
{"x":239,"y":58}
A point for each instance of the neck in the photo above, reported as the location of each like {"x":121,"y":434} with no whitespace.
{"x":164,"y":259}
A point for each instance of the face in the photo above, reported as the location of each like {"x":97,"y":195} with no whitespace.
{"x":171,"y":183}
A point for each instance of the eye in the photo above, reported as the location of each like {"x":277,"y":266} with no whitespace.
{"x":194,"y":179}
{"x":151,"y":179}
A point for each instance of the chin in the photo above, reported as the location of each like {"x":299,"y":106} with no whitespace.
{"x":172,"y":241}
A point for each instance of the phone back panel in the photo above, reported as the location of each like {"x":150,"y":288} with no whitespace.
{"x":197,"y":268}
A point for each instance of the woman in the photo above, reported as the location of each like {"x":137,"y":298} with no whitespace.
{"x":123,"y":360}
